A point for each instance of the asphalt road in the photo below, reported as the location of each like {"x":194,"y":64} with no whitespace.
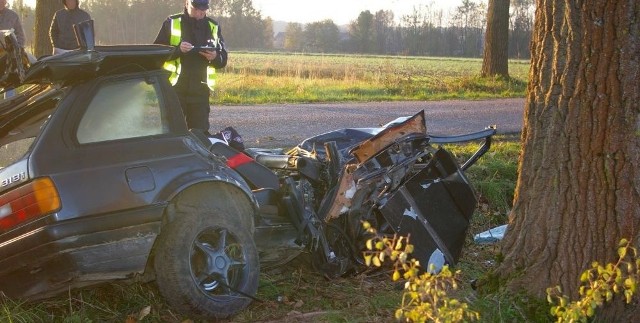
{"x":286,"y":125}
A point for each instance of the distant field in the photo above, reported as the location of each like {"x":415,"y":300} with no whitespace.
{"x":251,"y":78}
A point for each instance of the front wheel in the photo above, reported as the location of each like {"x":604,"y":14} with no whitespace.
{"x":206,"y":266}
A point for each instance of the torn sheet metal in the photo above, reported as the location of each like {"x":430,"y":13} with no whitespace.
{"x":346,"y":191}
{"x":434,"y":208}
{"x":373,"y":145}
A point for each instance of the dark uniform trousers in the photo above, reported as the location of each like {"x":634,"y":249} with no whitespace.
{"x":194,"y":99}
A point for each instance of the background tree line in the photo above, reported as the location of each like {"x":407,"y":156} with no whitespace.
{"x":427,"y":31}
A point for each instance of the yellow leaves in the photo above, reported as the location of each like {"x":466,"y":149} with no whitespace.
{"x":398,"y":245}
{"x":563,"y":301}
{"x":408,"y":248}
{"x":425,"y":297}
{"x":367,"y":260}
{"x":627,"y":296}
{"x":373,"y":260}
{"x":630,"y":268}
{"x":403,"y":257}
{"x":631,"y":284}
{"x":584,"y":277}
{"x":599,"y":284}
{"x":622,"y":252}
{"x":366,"y":225}
{"x":398,"y":314}
{"x":550,"y":291}
{"x":376,"y":261}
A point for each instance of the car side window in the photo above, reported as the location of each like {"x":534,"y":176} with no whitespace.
{"x":122,"y":110}
{"x":17,"y":137}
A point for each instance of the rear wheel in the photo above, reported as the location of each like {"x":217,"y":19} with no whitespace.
{"x":206,"y":265}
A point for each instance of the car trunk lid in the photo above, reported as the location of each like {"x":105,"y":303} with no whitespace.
{"x":87,"y":62}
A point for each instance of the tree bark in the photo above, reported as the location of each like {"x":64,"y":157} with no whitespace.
{"x":44,"y":14}
{"x":496,"y":41}
{"x":578,"y":190}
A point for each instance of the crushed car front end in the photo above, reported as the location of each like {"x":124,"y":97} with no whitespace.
{"x":399,"y":179}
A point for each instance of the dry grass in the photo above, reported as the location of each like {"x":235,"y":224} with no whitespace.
{"x":252,"y":78}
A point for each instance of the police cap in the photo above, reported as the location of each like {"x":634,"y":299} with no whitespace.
{"x":200,"y":4}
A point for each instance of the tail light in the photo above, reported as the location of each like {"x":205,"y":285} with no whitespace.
{"x":27,"y":202}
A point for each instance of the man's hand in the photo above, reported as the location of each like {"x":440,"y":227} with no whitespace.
{"x":185,"y":46}
{"x":209,"y":54}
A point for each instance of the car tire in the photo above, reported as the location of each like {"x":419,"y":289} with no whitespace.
{"x":206,"y":266}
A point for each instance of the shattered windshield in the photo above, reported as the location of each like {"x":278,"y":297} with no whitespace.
{"x":20,"y":127}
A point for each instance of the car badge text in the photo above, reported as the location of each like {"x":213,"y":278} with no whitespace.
{"x":13,"y":179}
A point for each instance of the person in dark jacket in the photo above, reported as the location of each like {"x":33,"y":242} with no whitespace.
{"x":199,"y":51}
{"x":9,"y":19}
{"x":63,"y":38}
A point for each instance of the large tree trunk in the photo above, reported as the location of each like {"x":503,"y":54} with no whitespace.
{"x":578,"y":190}
{"x":44,"y":14}
{"x":496,"y":41}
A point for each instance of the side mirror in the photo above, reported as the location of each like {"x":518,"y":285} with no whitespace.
{"x":85,"y":35}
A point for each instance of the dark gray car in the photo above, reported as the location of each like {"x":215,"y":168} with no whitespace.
{"x":96,"y":161}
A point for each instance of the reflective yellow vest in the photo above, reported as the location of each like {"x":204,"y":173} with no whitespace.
{"x":174,"y":65}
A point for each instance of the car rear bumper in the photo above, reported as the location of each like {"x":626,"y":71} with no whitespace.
{"x":78,"y":252}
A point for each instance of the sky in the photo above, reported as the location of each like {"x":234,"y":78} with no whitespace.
{"x":340,"y":11}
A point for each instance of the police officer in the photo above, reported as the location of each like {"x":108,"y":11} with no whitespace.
{"x":200,"y":51}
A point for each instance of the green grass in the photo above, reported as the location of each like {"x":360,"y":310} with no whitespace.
{"x":255,"y":78}
{"x":494,"y":175}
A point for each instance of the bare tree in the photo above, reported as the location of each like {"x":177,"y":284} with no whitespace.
{"x":383,"y":28}
{"x":578,"y":190}
{"x":44,"y":14}
{"x":469,"y":17}
{"x":521,"y":24}
{"x":496,"y":41}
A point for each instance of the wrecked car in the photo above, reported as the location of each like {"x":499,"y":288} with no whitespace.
{"x":101,"y":180}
